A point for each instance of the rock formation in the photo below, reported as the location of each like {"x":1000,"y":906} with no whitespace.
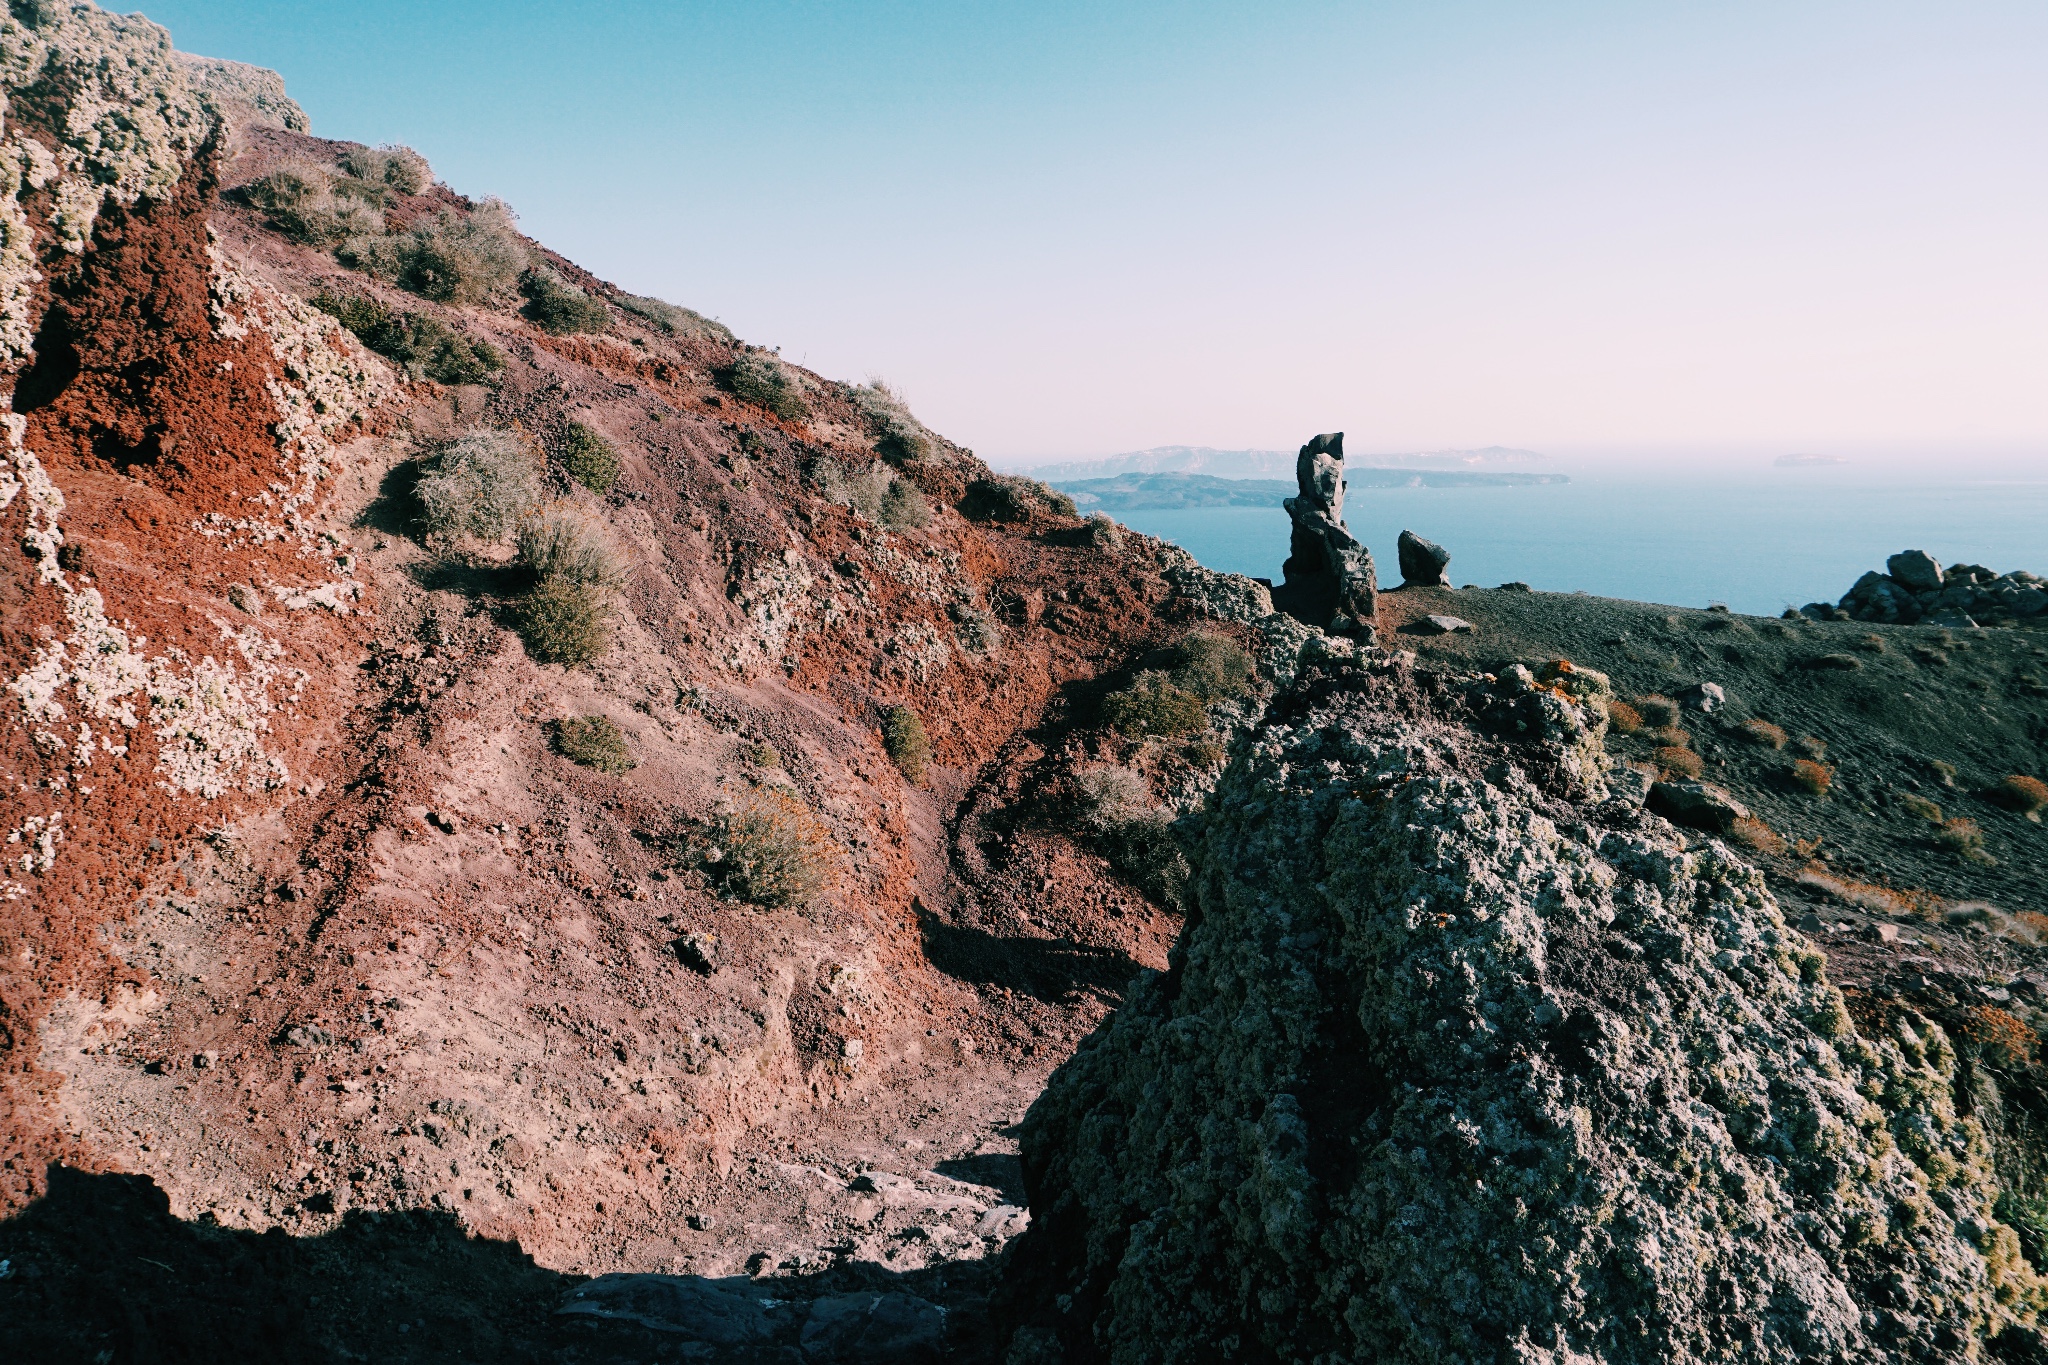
{"x":1454,"y":1064}
{"x":1329,"y":575}
{"x":1915,"y":588}
{"x":1422,"y":562}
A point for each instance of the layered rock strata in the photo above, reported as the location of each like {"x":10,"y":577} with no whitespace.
{"x":1329,"y":574}
{"x":1454,"y":1064}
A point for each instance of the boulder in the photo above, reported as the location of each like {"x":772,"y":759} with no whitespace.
{"x":1446,"y":1070}
{"x":1441,"y":625}
{"x":1819,"y":611}
{"x":1915,"y":570}
{"x":1697,"y":805}
{"x":1706,"y":698}
{"x":1422,"y":561}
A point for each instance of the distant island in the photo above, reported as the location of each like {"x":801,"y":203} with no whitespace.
{"x":1801,"y":461}
{"x":1259,"y":464}
{"x":1155,"y":492}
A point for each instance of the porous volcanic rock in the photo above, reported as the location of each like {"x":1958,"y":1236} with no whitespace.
{"x":1445,"y":1070}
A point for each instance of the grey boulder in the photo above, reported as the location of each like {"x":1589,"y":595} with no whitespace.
{"x":1705,"y":698}
{"x":1915,"y":570}
{"x":1697,"y":805}
{"x":1441,"y":625}
{"x":1423,"y":562}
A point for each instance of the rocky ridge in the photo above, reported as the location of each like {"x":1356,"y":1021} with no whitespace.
{"x":1916,"y":588}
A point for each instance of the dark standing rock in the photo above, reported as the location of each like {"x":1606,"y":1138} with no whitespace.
{"x":1423,"y":562}
{"x":1329,"y":576}
{"x":666,"y":1313}
{"x":1915,"y":570}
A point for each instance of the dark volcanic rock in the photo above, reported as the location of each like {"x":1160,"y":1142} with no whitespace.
{"x":1422,"y":561}
{"x":1701,"y":805}
{"x":1915,"y":571}
{"x":1329,"y":576}
{"x":1443,"y":1070}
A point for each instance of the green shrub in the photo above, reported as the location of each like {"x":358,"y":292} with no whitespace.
{"x":1010,"y":497}
{"x":595,"y":742}
{"x":1152,"y":705}
{"x":904,"y":739}
{"x":565,"y":622}
{"x":590,"y":459}
{"x":2027,"y":1216}
{"x":560,"y":308}
{"x":770,"y":849}
{"x":764,"y":381}
{"x":1213,"y":667}
{"x":903,"y":507}
{"x":479,"y":485}
{"x":425,"y":346}
{"x":899,"y":437}
{"x":675,"y":319}
{"x":400,"y":168}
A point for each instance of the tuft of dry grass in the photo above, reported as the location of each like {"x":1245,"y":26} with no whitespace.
{"x":1963,"y":838}
{"x":1657,"y":710}
{"x":904,"y":737}
{"x":1921,"y":808}
{"x":1812,"y":746}
{"x":1812,"y":778}
{"x":1624,"y":719}
{"x":593,"y":741}
{"x":1679,"y":762}
{"x":1870,"y":896}
{"x":2027,"y":795}
{"x":1764,"y":733}
{"x":1670,"y":734}
{"x":770,"y":849}
{"x":1756,"y":836}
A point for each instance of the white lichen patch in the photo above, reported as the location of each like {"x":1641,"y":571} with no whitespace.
{"x":37,"y":838}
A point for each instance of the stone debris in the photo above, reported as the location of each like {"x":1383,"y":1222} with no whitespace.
{"x":1423,"y":562}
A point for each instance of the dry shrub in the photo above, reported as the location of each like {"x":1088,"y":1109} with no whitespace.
{"x":899,"y":437}
{"x":1115,"y":804}
{"x":310,"y":204}
{"x":675,"y":319}
{"x":1945,"y":773}
{"x":1624,"y":719}
{"x":904,"y":507}
{"x":2027,"y":795}
{"x":393,"y":166}
{"x":561,"y":543}
{"x":1011,"y":497}
{"x":590,"y":459}
{"x":479,"y":485}
{"x":426,"y":346}
{"x":904,"y":738}
{"x":1657,"y":710}
{"x":1812,"y":778}
{"x":770,"y":849}
{"x":1920,"y":807}
{"x":558,"y":307}
{"x":565,"y":618}
{"x":2001,"y":1040}
{"x":1213,"y":667}
{"x":1812,"y":746}
{"x":1962,"y":838}
{"x":450,"y":258}
{"x":1756,"y":836}
{"x":1679,"y":762}
{"x":764,"y":381}
{"x":1108,"y":797}
{"x":1102,"y":533}
{"x":1870,"y":896}
{"x":593,"y":741}
{"x":1674,"y":735}
{"x":1764,"y":733}
{"x":1153,"y":705}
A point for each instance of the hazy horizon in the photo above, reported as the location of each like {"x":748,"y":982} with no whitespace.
{"x":1611,"y":233}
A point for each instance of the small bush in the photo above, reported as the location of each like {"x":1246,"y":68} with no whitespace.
{"x":479,"y":485}
{"x":1812,"y":778}
{"x":1812,"y":746}
{"x":309,"y":204}
{"x":1762,"y":732}
{"x":770,"y":849}
{"x":1944,"y":772}
{"x":1963,"y":838}
{"x":899,"y":437}
{"x":1624,"y":719}
{"x":977,"y":631}
{"x":1920,"y":807}
{"x":1756,"y":836}
{"x":595,"y":742}
{"x":904,"y":738}
{"x":590,"y":459}
{"x":560,"y":308}
{"x":766,"y":382}
{"x":861,"y":492}
{"x":1671,"y":735}
{"x":1677,"y":762}
{"x":675,"y":319}
{"x":1109,"y":797}
{"x":761,"y":755}
{"x":565,"y":622}
{"x":398,"y":168}
{"x":561,"y":543}
{"x":1102,"y":532}
{"x":2027,"y":795}
{"x":451,"y":257}
{"x":1213,"y":667}
{"x":426,"y":347}
{"x":904,"y":508}
{"x":1152,"y":705}
{"x":1657,"y":710}
{"x":1008,"y":497}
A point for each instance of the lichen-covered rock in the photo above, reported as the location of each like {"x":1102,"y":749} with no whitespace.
{"x":1444,"y":1070}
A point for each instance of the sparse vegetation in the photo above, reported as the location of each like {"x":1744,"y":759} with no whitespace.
{"x":427,"y":347}
{"x":675,"y":319}
{"x":1658,"y":711}
{"x":899,"y":437}
{"x":904,"y":739}
{"x":2027,"y":795}
{"x":312,"y":205}
{"x":395,"y":167}
{"x":479,"y":485}
{"x":589,"y":458}
{"x":1213,"y":667}
{"x":1963,"y":838}
{"x":1763,"y":733}
{"x":558,"y":307}
{"x":1624,"y":719}
{"x":461,"y":258}
{"x":1010,"y":497}
{"x":1920,"y":808}
{"x":1756,"y":836}
{"x":1878,"y":900}
{"x":1115,"y":804}
{"x":761,"y":755}
{"x":1679,"y":762}
{"x":763,"y":380}
{"x":1153,"y":705}
{"x":1103,"y":533}
{"x":565,"y":617}
{"x":770,"y":849}
{"x":976,"y":630}
{"x":904,"y":507}
{"x":593,"y":741}
{"x":876,"y":493}
{"x":1812,"y":778}
{"x":1812,"y":746}
{"x":1671,"y":735}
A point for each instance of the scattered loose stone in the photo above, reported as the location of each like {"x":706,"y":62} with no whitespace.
{"x":1443,"y":625}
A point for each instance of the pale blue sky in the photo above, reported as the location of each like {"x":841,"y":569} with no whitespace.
{"x":1070,"y":229}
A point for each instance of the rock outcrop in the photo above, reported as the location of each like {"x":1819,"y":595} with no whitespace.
{"x":1916,"y":588}
{"x":1453,"y":1064}
{"x":1329,"y":574}
{"x":1423,"y":562}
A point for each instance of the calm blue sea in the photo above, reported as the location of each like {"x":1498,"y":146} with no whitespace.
{"x":1759,"y":547}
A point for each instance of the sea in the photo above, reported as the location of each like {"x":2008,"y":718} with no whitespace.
{"x":1756,"y":545}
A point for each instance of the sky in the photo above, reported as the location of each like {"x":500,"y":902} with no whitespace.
{"x":1672,"y":233}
